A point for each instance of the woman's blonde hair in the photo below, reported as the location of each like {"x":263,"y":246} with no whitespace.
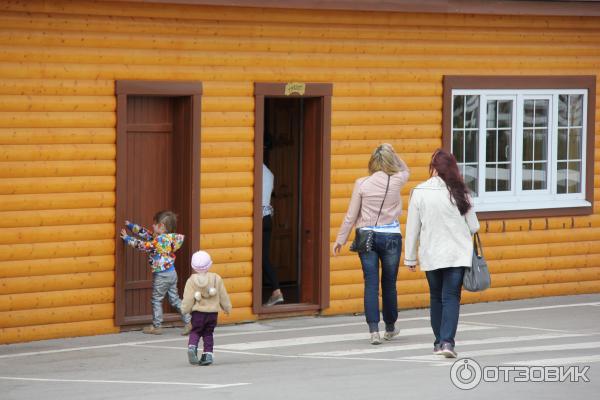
{"x":384,"y":159}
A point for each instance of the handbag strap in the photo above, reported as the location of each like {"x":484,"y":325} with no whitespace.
{"x":384,"y":196}
{"x":477,"y":245}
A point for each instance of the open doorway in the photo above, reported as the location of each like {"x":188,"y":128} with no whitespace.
{"x":293,"y":132}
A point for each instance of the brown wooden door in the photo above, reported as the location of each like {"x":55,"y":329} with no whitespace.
{"x":155,"y":168}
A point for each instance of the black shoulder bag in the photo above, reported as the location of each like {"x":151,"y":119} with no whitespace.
{"x":363,"y":239}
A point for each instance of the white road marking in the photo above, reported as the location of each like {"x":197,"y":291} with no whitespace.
{"x":299,"y":341}
{"x":518,"y":327}
{"x":225,"y":334}
{"x":419,"y":346}
{"x":559,"y":361}
{"x":199,"y":385}
{"x":515,"y":350}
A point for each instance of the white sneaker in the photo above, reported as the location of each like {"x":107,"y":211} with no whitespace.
{"x":375,"y":338}
{"x":390,"y":335}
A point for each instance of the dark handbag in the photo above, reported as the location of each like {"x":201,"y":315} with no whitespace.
{"x":477,"y":278}
{"x":363,"y":239}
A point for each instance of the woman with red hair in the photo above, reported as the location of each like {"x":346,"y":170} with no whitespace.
{"x":440,"y":222}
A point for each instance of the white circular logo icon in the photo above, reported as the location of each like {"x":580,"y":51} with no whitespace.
{"x":465,"y":373}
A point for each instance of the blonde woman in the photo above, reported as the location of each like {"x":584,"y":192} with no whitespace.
{"x":376,"y":205}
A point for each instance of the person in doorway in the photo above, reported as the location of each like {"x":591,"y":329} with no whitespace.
{"x":161,"y":244}
{"x":269,"y":273}
{"x":204,"y":295}
{"x":376,"y":205}
{"x":440,"y":222}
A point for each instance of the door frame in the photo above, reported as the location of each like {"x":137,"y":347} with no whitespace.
{"x":311,"y":90}
{"x":123,"y":89}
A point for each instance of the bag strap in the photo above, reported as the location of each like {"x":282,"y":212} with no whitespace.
{"x":477,"y":245}
{"x":384,"y":196}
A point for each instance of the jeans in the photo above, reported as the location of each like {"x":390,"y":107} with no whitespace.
{"x":165,"y":283}
{"x":387,"y":248}
{"x":203,"y":326}
{"x":444,"y":292}
{"x":269,"y":274}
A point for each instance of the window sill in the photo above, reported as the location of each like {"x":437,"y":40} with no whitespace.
{"x":531,"y":208}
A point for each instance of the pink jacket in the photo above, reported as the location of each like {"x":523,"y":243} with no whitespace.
{"x":366,"y":200}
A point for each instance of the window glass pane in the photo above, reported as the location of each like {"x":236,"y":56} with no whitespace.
{"x":563,"y":135}
{"x":576,"y":110}
{"x":503,"y":177}
{"x":471,"y":111}
{"x":527,"y":176}
{"x":505,"y":114}
{"x":471,"y":146}
{"x":458,"y":112}
{"x":528,"y":114}
{"x":490,"y":145}
{"x":491,"y":114}
{"x":563,"y":107}
{"x":527,"y":144}
{"x":457,"y":145}
{"x":539,"y":176}
{"x":504,"y":145}
{"x":541,"y":113}
{"x":561,"y":176}
{"x":490,"y":177}
{"x":541,"y":145}
{"x":575,"y":143}
{"x":574,"y":177}
{"x":471,"y":176}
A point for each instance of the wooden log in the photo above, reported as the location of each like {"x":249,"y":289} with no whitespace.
{"x":43,"y":316}
{"x":238,"y":285}
{"x":541,"y":250}
{"x":52,"y":283}
{"x":233,"y":270}
{"x":32,"y":119}
{"x":56,"y":201}
{"x":56,"y":135}
{"x":64,"y":298}
{"x":546,"y":277}
{"x":226,"y":104}
{"x":386,"y":103}
{"x":225,"y":195}
{"x":227,"y":149}
{"x":362,"y":147}
{"x":241,"y":314}
{"x":221,"y":225}
{"x":355,"y":118}
{"x":226,"y":210}
{"x":227,"y":118}
{"x":54,"y":331}
{"x":64,"y":233}
{"x":361,"y":161}
{"x":56,"y":266}
{"x":530,"y":291}
{"x":57,"y":249}
{"x":230,"y":164}
{"x":555,"y":235}
{"x":519,"y":265}
{"x":29,"y":169}
{"x":350,"y":175}
{"x":381,"y":133}
{"x":44,"y":87}
{"x":239,"y":300}
{"x":15,"y":219}
{"x":225,"y":240}
{"x":57,"y":185}
{"x":63,"y":103}
{"x":233,"y":255}
{"x":58,"y":152}
{"x":226,"y":179}
{"x":226,"y":88}
{"x":227,"y":134}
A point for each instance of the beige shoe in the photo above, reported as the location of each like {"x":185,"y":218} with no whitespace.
{"x":375,"y":338}
{"x":186,"y":329}
{"x":152,"y":330}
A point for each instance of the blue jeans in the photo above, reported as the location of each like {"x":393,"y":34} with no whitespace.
{"x":165,"y":283}
{"x":444,"y":293}
{"x":387,"y":248}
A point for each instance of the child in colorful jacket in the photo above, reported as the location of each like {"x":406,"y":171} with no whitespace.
{"x":161,"y":245}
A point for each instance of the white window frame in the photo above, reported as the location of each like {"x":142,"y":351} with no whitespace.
{"x":517,"y":198}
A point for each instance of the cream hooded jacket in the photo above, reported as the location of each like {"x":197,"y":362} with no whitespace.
{"x":202,"y":283}
{"x":435,"y":226}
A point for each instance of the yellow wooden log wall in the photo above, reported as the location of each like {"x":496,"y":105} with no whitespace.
{"x":58,"y":64}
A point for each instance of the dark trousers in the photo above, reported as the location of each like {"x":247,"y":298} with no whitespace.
{"x":269,"y":274}
{"x":444,"y":293}
{"x":386,"y":248}
{"x":203,"y":326}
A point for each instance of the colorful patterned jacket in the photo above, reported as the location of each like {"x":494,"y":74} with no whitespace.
{"x":160,"y":248}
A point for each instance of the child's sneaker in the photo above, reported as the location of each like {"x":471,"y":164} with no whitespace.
{"x":193,"y":355}
{"x":186,"y":329}
{"x":206,"y":359}
{"x":152,"y":330}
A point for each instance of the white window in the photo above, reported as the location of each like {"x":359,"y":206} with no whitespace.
{"x":521,"y":149}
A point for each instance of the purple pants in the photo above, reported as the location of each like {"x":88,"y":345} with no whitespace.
{"x":203,"y":325}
